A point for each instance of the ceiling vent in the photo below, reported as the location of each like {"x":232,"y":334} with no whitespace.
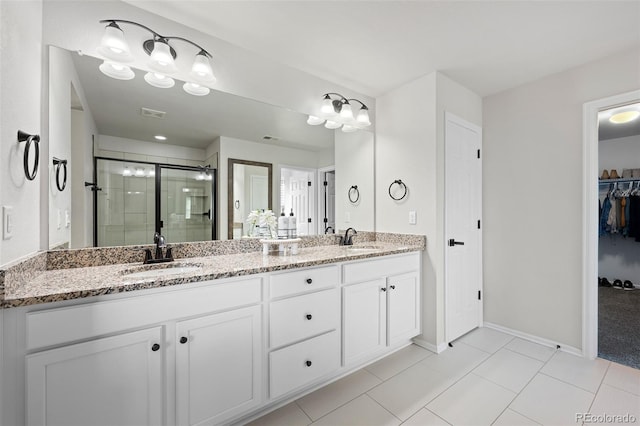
{"x":152,"y":113}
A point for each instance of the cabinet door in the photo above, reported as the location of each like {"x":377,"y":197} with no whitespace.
{"x":403,"y":311}
{"x":111,"y":381}
{"x":218,"y":366}
{"x":364,"y":314}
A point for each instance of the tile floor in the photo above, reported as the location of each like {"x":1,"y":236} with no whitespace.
{"x":487,"y":378}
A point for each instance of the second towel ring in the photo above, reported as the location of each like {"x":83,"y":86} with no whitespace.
{"x":352,"y":190}
{"x":402,"y":184}
{"x":60,"y":164}
{"x":30,"y":139}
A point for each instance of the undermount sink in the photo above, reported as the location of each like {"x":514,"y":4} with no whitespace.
{"x":161,"y":270}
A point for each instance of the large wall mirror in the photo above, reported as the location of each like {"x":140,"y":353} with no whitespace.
{"x":94,"y":118}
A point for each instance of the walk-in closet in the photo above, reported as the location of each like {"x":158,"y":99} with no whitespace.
{"x":619,"y":237}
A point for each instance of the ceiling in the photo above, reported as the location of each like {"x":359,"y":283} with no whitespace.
{"x":608,"y":130}
{"x":375,"y":46}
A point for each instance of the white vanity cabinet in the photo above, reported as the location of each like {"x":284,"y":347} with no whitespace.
{"x":304,"y":327}
{"x":381,"y":305}
{"x":201,"y":345}
{"x":110,"y":381}
{"x":218,"y":372}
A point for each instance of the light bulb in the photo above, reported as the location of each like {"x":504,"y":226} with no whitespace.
{"x":314,"y":121}
{"x":624,"y":117}
{"x":330,"y":124}
{"x":348,"y":129}
{"x":327,"y":108}
{"x":159,"y":80}
{"x":117,"y":71}
{"x":139,"y":172}
{"x":195,"y":89}
{"x":346,"y":114}
{"x":201,"y":69}
{"x":161,"y":57}
{"x":113,"y":45}
{"x":126,"y":172}
{"x":362,"y":118}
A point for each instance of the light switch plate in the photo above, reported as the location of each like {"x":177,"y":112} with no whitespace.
{"x":7,"y":222}
{"x":67,"y":218}
{"x":412,"y":217}
{"x":58,"y":219}
{"x":347,"y":217}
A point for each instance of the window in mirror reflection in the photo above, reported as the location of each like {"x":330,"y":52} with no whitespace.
{"x":138,"y":199}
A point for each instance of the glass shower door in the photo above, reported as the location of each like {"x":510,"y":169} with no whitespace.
{"x":125,"y":205}
{"x":187,"y":210}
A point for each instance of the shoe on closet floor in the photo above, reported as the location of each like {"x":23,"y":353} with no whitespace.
{"x":628,"y":285}
{"x":617,"y":284}
{"x":603,"y":282}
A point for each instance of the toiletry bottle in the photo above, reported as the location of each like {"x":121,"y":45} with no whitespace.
{"x":293,"y":226}
{"x":283,"y":225}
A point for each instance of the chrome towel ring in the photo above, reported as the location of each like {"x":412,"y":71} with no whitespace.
{"x":60,"y":164}
{"x":401,"y":184}
{"x":354,"y":192}
{"x":30,"y":140}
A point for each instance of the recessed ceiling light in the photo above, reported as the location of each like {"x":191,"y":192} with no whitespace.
{"x":160,"y":137}
{"x":624,"y":117}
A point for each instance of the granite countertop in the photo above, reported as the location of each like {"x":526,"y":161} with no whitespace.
{"x":52,"y":285}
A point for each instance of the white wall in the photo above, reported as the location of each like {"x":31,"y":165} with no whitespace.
{"x":20,"y":109}
{"x":253,"y":151}
{"x":136,"y":150}
{"x":532,"y":185}
{"x":354,"y":162}
{"x":409,"y":146}
{"x":618,"y":257}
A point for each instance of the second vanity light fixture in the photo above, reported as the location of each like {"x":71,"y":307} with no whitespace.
{"x":114,"y":47}
{"x":336,"y":112}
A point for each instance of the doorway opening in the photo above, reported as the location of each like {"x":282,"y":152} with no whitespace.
{"x":592,"y":215}
{"x":619,"y":236}
{"x":327,"y":200}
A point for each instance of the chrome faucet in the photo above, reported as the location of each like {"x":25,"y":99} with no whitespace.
{"x":347,"y":240}
{"x":160,"y":243}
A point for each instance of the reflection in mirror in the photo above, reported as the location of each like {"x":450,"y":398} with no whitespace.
{"x":115,"y":119}
{"x":249,"y":185}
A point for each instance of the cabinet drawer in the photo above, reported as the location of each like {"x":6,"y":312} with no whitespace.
{"x":380,"y":267}
{"x":303,"y":316}
{"x":89,"y":320}
{"x":299,"y":364}
{"x":297,"y":282}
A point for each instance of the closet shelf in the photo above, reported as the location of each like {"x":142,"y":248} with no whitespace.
{"x":621,"y":180}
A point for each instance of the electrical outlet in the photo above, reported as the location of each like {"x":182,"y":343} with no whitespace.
{"x":412,"y":217}
{"x":7,"y":222}
{"x":347,"y":217}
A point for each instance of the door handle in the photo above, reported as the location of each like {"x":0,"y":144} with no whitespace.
{"x":453,"y":242}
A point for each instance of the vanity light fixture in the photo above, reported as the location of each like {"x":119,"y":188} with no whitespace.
{"x":336,"y":111}
{"x":160,"y":137}
{"x":624,"y":117}
{"x":162,"y":55}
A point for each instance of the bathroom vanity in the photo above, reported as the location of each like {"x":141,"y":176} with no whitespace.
{"x":203,"y":340}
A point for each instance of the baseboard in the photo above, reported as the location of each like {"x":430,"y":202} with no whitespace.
{"x":430,"y":346}
{"x":535,"y":339}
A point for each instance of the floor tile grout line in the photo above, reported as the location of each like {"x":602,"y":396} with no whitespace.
{"x":595,"y":395}
{"x":408,"y":367}
{"x":301,"y":409}
{"x":567,"y":383}
{"x":385,"y":408}
{"x":543,"y":361}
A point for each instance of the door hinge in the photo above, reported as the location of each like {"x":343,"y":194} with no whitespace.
{"x":478,"y":223}
{"x":308,"y":220}
{"x":478,"y":153}
{"x":325,"y":220}
{"x":325,"y":183}
{"x":308,"y":183}
{"x":479,"y":295}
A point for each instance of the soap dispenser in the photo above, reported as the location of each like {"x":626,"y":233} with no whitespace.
{"x":293,"y":226}
{"x":283,"y":225}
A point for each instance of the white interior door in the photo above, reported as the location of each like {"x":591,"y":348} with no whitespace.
{"x":463,"y":208}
